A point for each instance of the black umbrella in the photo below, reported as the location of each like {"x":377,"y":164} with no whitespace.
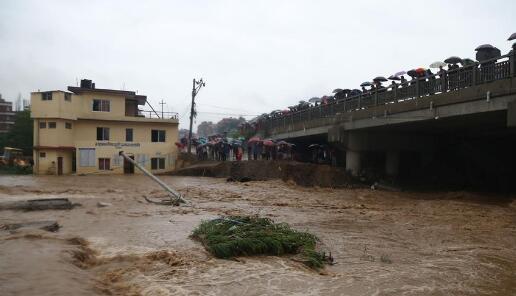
{"x":380,"y":79}
{"x":392,"y":77}
{"x":412,"y":73}
{"x":453,"y":60}
{"x":367,"y":83}
{"x":484,"y":46}
{"x":487,"y":54}
{"x":337,"y":90}
{"x":512,"y":37}
{"x":355,"y":92}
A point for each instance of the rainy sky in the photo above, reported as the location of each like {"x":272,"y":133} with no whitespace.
{"x":255,"y":56}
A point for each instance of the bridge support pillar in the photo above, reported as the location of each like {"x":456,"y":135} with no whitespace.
{"x":353,"y":162}
{"x":392,"y":163}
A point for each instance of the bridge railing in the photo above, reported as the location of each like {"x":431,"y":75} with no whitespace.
{"x":468,"y":76}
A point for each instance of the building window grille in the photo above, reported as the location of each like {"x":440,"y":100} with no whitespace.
{"x":52,"y":125}
{"x":43,"y":124}
{"x":102,"y":134}
{"x":46,"y":96}
{"x":68,"y":125}
{"x":101,"y":105}
{"x":128,"y":134}
{"x":87,"y":157}
{"x":68,"y":97}
{"x":104,"y":164}
{"x":158,"y":136}
{"x":42,"y":154}
{"x":157,"y":163}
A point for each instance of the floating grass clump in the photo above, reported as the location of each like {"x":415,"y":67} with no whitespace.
{"x":234,"y":236}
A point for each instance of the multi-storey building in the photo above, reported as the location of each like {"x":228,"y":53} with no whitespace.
{"x":6,"y":115}
{"x":83,"y":129}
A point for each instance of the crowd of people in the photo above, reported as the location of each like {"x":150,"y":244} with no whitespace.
{"x":222,"y":148}
{"x":448,"y":72}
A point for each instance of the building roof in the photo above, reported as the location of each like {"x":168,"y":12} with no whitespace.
{"x":127,"y":94}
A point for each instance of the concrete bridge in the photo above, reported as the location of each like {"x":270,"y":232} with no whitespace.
{"x":422,"y":116}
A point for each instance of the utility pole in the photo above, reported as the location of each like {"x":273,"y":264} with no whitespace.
{"x":162,"y":103}
{"x":196,"y":87}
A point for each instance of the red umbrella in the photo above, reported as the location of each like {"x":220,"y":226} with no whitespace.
{"x":420,"y":70}
{"x":254,"y":139}
{"x":268,"y":143}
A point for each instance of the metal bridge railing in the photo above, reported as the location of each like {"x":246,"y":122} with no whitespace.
{"x":468,"y":76}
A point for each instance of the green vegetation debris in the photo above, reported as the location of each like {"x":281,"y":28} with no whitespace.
{"x":234,"y":236}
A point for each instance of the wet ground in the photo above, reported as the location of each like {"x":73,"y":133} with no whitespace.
{"x":384,"y":243}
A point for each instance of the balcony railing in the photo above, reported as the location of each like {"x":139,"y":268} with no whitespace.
{"x":157,"y":115}
{"x":468,"y":76}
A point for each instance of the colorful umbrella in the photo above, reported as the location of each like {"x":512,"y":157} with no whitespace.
{"x":467,"y":62}
{"x":254,"y":139}
{"x":268,"y":143}
{"x":400,"y":73}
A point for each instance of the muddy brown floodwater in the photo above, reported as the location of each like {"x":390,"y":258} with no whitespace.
{"x":384,"y":243}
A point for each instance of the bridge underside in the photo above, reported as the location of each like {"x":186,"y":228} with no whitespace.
{"x":476,"y":150}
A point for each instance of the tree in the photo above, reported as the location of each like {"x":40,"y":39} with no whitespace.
{"x":229,"y":125}
{"x":205,"y":129}
{"x":21,"y":133}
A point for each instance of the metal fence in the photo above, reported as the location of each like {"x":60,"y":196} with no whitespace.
{"x":452,"y":80}
{"x":159,"y":115}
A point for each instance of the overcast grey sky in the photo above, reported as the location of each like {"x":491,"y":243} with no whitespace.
{"x":255,"y":56}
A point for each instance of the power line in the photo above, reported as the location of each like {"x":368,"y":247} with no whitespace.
{"x":220,"y":107}
{"x":228,"y":114}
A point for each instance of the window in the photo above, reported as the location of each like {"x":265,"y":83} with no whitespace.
{"x":157,"y":163}
{"x":104,"y":164}
{"x":46,"y":96}
{"x":128,"y":134}
{"x":52,"y":125}
{"x":42,"y":124}
{"x":42,"y":154}
{"x":68,"y":125}
{"x":102,"y":134}
{"x":158,"y":136}
{"x":68,"y":97}
{"x":87,"y":157}
{"x":101,"y":105}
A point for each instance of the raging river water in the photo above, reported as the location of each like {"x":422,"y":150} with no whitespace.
{"x":384,"y":243}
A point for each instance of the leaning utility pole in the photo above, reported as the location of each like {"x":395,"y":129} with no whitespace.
{"x":196,"y":87}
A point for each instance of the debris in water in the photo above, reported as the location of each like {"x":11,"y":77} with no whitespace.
{"x":39,"y":204}
{"x":233,"y":236}
{"x":51,"y":226}
{"x":101,"y":204}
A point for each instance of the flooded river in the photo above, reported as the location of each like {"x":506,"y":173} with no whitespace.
{"x":384,"y":243}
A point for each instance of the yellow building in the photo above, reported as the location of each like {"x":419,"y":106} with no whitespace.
{"x":83,"y":129}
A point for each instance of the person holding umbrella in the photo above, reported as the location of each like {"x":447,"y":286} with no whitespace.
{"x":512,"y":53}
